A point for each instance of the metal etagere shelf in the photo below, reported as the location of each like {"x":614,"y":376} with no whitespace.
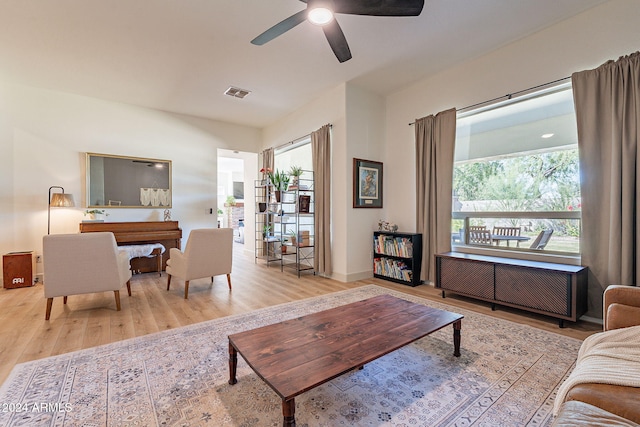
{"x":285,"y":225}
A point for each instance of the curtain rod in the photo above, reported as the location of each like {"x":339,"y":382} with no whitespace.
{"x":294,"y":141}
{"x":509,"y":95}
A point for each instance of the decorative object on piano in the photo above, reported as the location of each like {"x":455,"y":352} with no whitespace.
{"x":387,"y":226}
{"x":167,"y":214}
{"x":95,"y":214}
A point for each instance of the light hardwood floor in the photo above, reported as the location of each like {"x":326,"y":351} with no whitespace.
{"x":91,"y":320}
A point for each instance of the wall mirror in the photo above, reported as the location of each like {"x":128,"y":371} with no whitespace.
{"x":127,"y":182}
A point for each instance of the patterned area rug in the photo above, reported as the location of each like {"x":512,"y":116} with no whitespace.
{"x":507,"y":376}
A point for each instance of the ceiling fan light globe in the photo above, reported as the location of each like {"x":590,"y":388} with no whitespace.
{"x":320,"y":16}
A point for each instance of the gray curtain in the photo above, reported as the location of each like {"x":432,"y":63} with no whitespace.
{"x":607,"y":101}
{"x":268,"y":158}
{"x":435,"y":143}
{"x":321,"y":157}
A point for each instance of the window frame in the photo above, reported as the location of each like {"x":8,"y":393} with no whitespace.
{"x":465,"y":216}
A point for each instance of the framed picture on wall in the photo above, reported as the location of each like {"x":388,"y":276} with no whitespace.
{"x":367,"y":184}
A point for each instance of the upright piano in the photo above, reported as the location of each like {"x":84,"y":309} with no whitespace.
{"x":168,"y":233}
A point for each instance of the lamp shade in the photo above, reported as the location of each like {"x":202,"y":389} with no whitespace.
{"x":58,"y":200}
{"x":62,"y":200}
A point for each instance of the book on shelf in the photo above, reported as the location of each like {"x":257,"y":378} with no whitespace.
{"x":392,"y":268}
{"x":394,"y":246}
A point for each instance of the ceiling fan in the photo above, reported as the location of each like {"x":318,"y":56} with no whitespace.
{"x":321,"y":12}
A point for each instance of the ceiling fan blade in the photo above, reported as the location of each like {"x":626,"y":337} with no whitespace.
{"x":280,"y":28}
{"x":337,"y":41}
{"x":379,"y":7}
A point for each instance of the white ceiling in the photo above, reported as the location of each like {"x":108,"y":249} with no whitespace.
{"x":181,"y":55}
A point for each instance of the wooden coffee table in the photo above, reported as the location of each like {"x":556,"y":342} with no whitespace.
{"x":297,"y":355}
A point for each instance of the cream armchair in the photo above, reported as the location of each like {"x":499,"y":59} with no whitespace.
{"x":83,"y":263}
{"x":208,"y":253}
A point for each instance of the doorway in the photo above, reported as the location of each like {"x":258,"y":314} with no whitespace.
{"x":236,"y":174}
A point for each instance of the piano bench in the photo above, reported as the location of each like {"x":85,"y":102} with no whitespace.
{"x":151,"y":250}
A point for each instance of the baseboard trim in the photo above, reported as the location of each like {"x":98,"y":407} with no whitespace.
{"x":352,"y":277}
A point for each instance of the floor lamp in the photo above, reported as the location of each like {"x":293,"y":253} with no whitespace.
{"x":58,"y":200}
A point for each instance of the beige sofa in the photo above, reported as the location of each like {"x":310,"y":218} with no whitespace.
{"x":596,"y":404}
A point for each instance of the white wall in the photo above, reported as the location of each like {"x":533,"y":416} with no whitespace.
{"x":43,"y":138}
{"x":365,"y":140}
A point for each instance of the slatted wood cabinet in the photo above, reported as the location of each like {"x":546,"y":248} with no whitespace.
{"x":557,"y":290}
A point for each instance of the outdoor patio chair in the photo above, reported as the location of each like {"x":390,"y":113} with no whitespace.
{"x":480,"y":237}
{"x":541,"y":241}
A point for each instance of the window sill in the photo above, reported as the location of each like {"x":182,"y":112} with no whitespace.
{"x":529,"y":256}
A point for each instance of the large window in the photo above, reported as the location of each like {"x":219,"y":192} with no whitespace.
{"x":298,"y":153}
{"x":516,"y":175}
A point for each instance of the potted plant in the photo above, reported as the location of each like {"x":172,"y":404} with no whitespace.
{"x":280,"y":181}
{"x":295,"y":173}
{"x":95,"y":214}
{"x":266,"y":172}
{"x":265,"y":231}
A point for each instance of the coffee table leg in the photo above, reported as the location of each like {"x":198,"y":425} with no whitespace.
{"x":233,"y":363}
{"x":456,"y":338}
{"x":289,"y":412}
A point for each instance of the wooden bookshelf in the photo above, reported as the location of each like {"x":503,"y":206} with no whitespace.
{"x":397,"y":257}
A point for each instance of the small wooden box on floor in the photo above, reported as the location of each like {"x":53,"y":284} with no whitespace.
{"x":17,"y":269}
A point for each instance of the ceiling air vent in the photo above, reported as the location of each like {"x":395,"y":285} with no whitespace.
{"x":237,"y":92}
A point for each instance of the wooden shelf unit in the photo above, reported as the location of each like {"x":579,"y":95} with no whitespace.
{"x":556,"y":290}
{"x":397,"y":257}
